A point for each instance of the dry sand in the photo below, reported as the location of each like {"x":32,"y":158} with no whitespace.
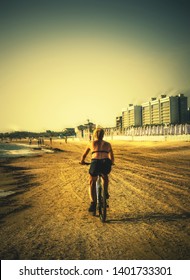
{"x":148,"y":218}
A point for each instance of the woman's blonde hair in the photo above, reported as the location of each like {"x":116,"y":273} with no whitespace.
{"x":98,"y":134}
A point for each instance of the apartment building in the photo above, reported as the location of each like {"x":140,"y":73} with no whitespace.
{"x":132,"y":116}
{"x":146,"y":113}
{"x":183,"y":108}
{"x":154,"y":111}
{"x":169,"y":110}
{"x":162,"y":110}
{"x":124,"y":119}
{"x":119,"y":122}
{"x":188,"y":115}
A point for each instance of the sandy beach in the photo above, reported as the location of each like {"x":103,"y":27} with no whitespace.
{"x":46,"y":217}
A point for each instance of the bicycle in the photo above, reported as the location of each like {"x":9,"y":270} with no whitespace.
{"x":101,"y":204}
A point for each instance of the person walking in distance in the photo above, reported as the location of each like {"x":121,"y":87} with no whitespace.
{"x":102,"y":158}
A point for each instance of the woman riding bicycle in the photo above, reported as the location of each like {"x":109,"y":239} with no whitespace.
{"x":102,"y":159}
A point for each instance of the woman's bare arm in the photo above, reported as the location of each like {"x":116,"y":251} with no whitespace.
{"x":111,"y":154}
{"x":87,"y":150}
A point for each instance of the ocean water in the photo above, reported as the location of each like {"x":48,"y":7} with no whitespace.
{"x":18,"y":150}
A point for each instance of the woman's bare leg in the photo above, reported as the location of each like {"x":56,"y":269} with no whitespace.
{"x":92,"y":189}
{"x":106,"y":182}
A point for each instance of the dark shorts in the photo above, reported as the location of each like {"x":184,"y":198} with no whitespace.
{"x":100,"y":166}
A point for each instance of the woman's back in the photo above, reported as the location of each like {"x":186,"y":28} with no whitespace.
{"x":100,"y":149}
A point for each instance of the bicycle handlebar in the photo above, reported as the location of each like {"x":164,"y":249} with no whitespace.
{"x":88,"y":163}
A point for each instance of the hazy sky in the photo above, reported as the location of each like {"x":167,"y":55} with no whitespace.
{"x":63,"y":62}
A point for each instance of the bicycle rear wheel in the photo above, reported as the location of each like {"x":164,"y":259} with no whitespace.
{"x":102,"y":205}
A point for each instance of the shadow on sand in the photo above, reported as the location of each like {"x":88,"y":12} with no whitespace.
{"x":150,"y":218}
{"x":22,"y":182}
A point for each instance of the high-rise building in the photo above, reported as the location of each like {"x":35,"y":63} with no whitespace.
{"x":132,"y":116}
{"x":146,"y":113}
{"x":183,"y":114}
{"x":163,"y":110}
{"x":124,"y":118}
{"x":169,"y":111}
{"x":154,"y":111}
{"x":119,"y":122}
{"x":188,"y":115}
